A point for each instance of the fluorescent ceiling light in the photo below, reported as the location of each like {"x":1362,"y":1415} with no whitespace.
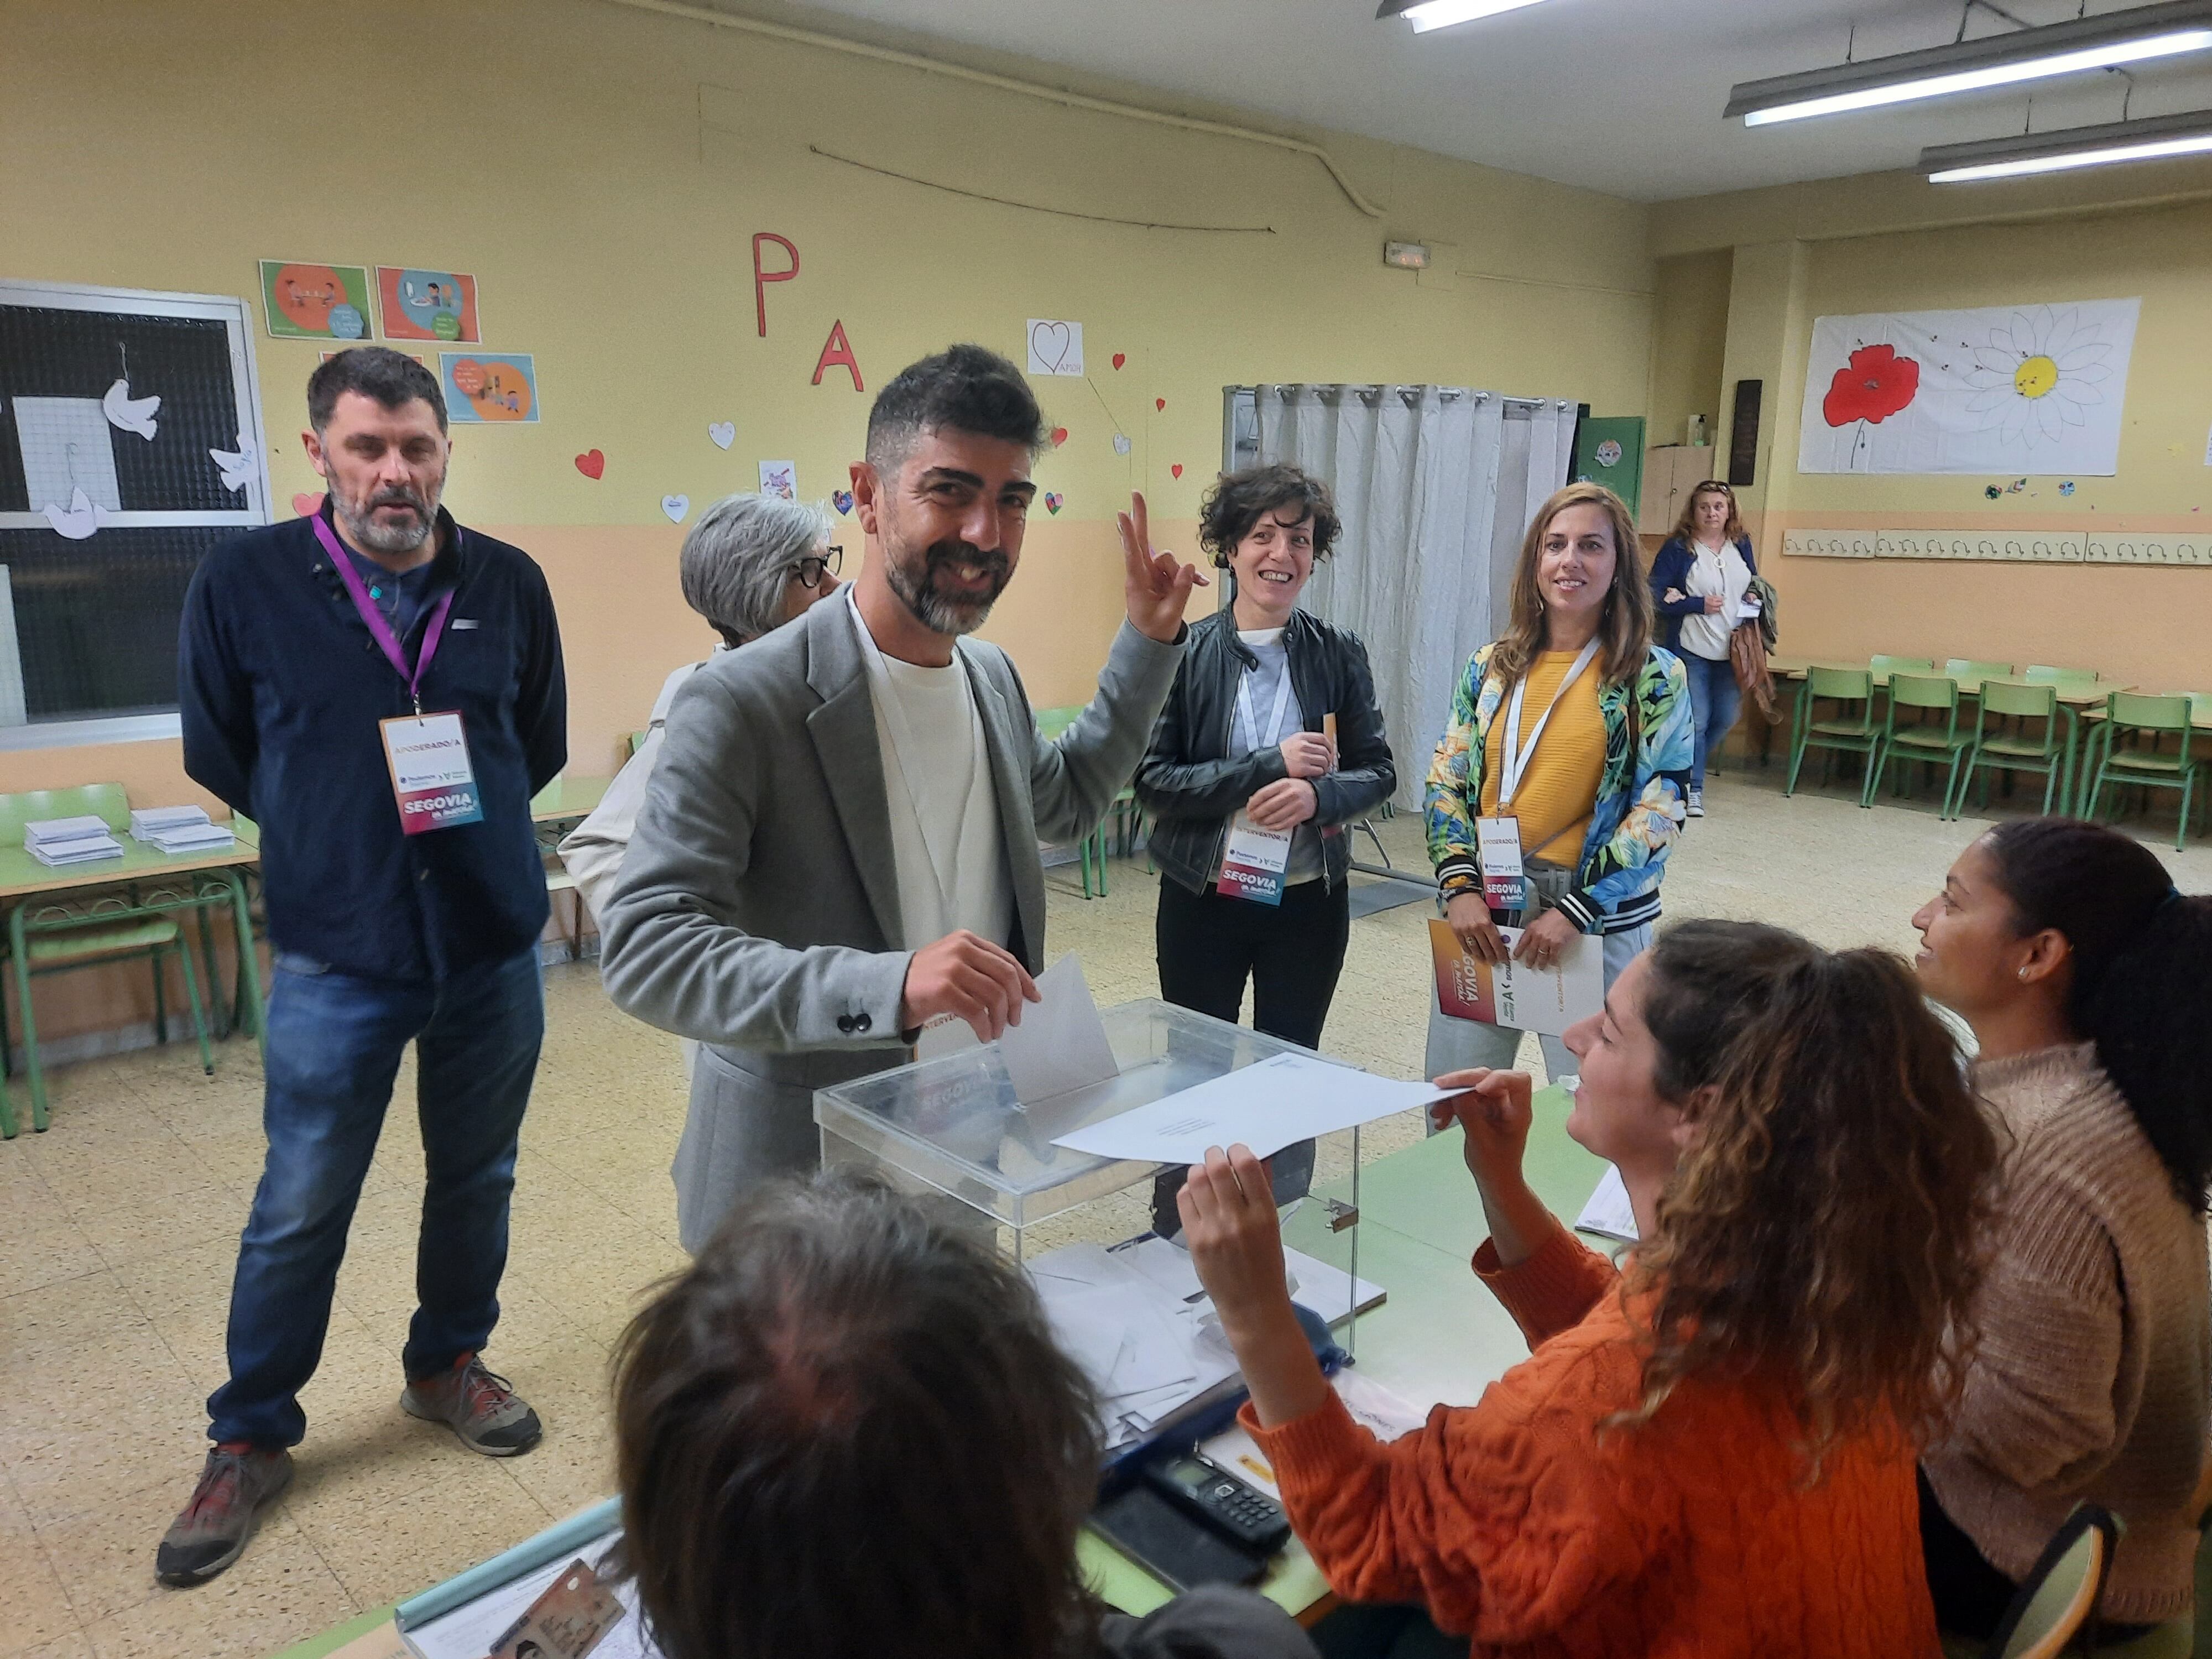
{"x":2153,"y":138}
{"x":1999,"y":60}
{"x":1426,"y":15}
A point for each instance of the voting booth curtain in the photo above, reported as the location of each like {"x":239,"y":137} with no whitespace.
{"x":1436,"y":486}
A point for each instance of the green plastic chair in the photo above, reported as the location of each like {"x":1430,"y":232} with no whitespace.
{"x":54,"y":939}
{"x":2149,"y":768}
{"x":2042,"y":673}
{"x":1930,"y":742}
{"x":1968,"y":668}
{"x":637,"y":741}
{"x":1845,"y":732}
{"x":2008,"y":748}
{"x":1880,"y":664}
{"x":1090,"y":851}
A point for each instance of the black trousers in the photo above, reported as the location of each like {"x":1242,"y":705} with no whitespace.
{"x":1208,"y":945}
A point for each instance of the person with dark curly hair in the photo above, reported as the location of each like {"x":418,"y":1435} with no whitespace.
{"x":1710,"y":1451}
{"x":2082,"y":972}
{"x":1249,"y":789}
{"x":845,"y":1431}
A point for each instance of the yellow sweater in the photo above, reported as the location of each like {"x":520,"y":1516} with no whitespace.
{"x":1557,"y":794}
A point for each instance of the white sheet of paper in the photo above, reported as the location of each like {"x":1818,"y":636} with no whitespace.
{"x":1548,"y":1000}
{"x":1609,"y":1211}
{"x":1060,"y":1044}
{"x":1266,"y":1105}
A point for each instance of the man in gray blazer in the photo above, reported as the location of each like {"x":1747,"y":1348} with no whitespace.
{"x":839,"y":845}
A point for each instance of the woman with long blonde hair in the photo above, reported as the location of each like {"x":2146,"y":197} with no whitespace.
{"x":1577,"y":728}
{"x":1711,"y":1451}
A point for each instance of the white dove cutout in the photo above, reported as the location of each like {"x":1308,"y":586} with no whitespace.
{"x":128,"y":413}
{"x":79,"y":519}
{"x":238,"y":469}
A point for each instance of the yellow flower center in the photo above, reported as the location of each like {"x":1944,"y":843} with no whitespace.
{"x":2035,"y":377}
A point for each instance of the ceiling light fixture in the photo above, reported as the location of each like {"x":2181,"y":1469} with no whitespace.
{"x":2152,"y":138}
{"x":2163,"y":30}
{"x":1426,"y":15}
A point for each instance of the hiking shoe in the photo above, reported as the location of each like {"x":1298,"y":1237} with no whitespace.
{"x":237,"y":1482}
{"x":477,"y":1405}
{"x":1697,"y":803}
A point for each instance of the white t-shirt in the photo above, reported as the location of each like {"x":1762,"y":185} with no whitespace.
{"x":1263,"y":686}
{"x":1715,"y":570}
{"x":948,"y":847}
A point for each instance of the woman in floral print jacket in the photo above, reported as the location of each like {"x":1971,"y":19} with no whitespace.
{"x":1600,"y":786}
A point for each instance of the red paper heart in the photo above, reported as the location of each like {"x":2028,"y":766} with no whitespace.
{"x":1119,"y":358}
{"x":306,"y":505}
{"x":1058,"y":436}
{"x":592,"y":463}
{"x":1159,"y":403}
{"x":1176,"y":469}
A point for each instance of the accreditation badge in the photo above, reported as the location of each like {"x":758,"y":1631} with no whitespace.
{"x":431,"y":776}
{"x":1498,"y":841}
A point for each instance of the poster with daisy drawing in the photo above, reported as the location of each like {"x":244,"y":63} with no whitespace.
{"x":2015,"y":389}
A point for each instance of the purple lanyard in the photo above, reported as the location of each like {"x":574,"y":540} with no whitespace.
{"x":380,"y":629}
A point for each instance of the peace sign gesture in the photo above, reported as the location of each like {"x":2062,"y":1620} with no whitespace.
{"x":1157,"y":587}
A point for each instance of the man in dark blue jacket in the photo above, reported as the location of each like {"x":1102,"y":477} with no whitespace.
{"x":383,"y":692}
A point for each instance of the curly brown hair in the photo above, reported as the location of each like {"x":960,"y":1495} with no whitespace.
{"x":1236,"y":500}
{"x":1827,"y":1226}
{"x":1685,"y":527}
{"x":1625,"y":624}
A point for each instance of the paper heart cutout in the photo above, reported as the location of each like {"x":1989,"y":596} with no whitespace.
{"x":1176,"y":469}
{"x":841,"y":499}
{"x":592,"y":463}
{"x":1054,"y":501}
{"x":724,"y":433}
{"x":1119,"y":358}
{"x":308,"y":505}
{"x":1160,"y":403}
{"x":1058,"y":436}
{"x":676,"y":507}
{"x":1120,"y":443}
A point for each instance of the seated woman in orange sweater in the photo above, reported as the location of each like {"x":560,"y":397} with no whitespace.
{"x":1713,"y":1455}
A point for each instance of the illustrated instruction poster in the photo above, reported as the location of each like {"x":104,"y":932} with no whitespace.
{"x":489,"y":386}
{"x":2009,"y":390}
{"x":426,"y":305}
{"x":302,"y":300}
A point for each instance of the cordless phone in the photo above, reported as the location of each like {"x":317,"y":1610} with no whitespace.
{"x":1226,"y":1502}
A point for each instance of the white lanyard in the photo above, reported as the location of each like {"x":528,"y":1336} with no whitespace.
{"x":1515,"y":760}
{"x":1252,"y":743}
{"x":944,"y":871}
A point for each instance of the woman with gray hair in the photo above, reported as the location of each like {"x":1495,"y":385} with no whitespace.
{"x":752,"y":563}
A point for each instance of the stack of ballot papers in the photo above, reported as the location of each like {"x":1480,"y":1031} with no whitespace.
{"x":57,"y":843}
{"x":180,"y":829}
{"x":1144,"y":1332}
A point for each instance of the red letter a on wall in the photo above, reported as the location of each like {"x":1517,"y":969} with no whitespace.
{"x":838,"y":352}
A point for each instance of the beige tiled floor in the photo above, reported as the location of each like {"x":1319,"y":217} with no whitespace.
{"x":119,"y":1226}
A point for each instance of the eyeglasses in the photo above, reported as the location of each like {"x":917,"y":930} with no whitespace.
{"x":810,"y":569}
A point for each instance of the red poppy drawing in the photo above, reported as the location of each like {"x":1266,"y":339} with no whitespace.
{"x":1872,"y":386}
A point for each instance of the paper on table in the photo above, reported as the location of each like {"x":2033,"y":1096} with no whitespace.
{"x":1266,"y":1105}
{"x":1609,"y":1211}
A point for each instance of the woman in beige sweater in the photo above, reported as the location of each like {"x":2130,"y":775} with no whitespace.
{"x":2084,"y":976}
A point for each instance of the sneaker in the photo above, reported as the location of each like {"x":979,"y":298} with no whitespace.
{"x":477,"y":1405}
{"x":238,"y":1481}
{"x":1697,"y":803}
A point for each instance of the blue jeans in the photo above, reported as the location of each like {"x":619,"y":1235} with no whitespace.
{"x":335,"y":1042}
{"x":1714,"y":700}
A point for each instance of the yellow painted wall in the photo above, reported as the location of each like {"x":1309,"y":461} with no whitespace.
{"x":602,"y":171}
{"x":1689,"y":339}
{"x":2018,"y":248}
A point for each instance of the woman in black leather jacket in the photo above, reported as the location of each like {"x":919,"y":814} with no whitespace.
{"x":1272,"y":728}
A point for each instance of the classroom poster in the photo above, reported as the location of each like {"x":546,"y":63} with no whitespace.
{"x":426,"y":305}
{"x":489,"y":387}
{"x":302,"y":300}
{"x":2011,"y":390}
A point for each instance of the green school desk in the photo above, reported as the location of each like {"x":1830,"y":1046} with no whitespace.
{"x":1440,"y":1336}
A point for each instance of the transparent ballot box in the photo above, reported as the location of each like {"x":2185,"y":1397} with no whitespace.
{"x":953,"y":1125}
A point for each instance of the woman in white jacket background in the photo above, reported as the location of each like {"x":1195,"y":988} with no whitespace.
{"x":750,"y":564}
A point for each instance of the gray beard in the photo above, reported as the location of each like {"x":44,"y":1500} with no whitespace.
{"x":375,"y":538}
{"x":936,"y":612}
